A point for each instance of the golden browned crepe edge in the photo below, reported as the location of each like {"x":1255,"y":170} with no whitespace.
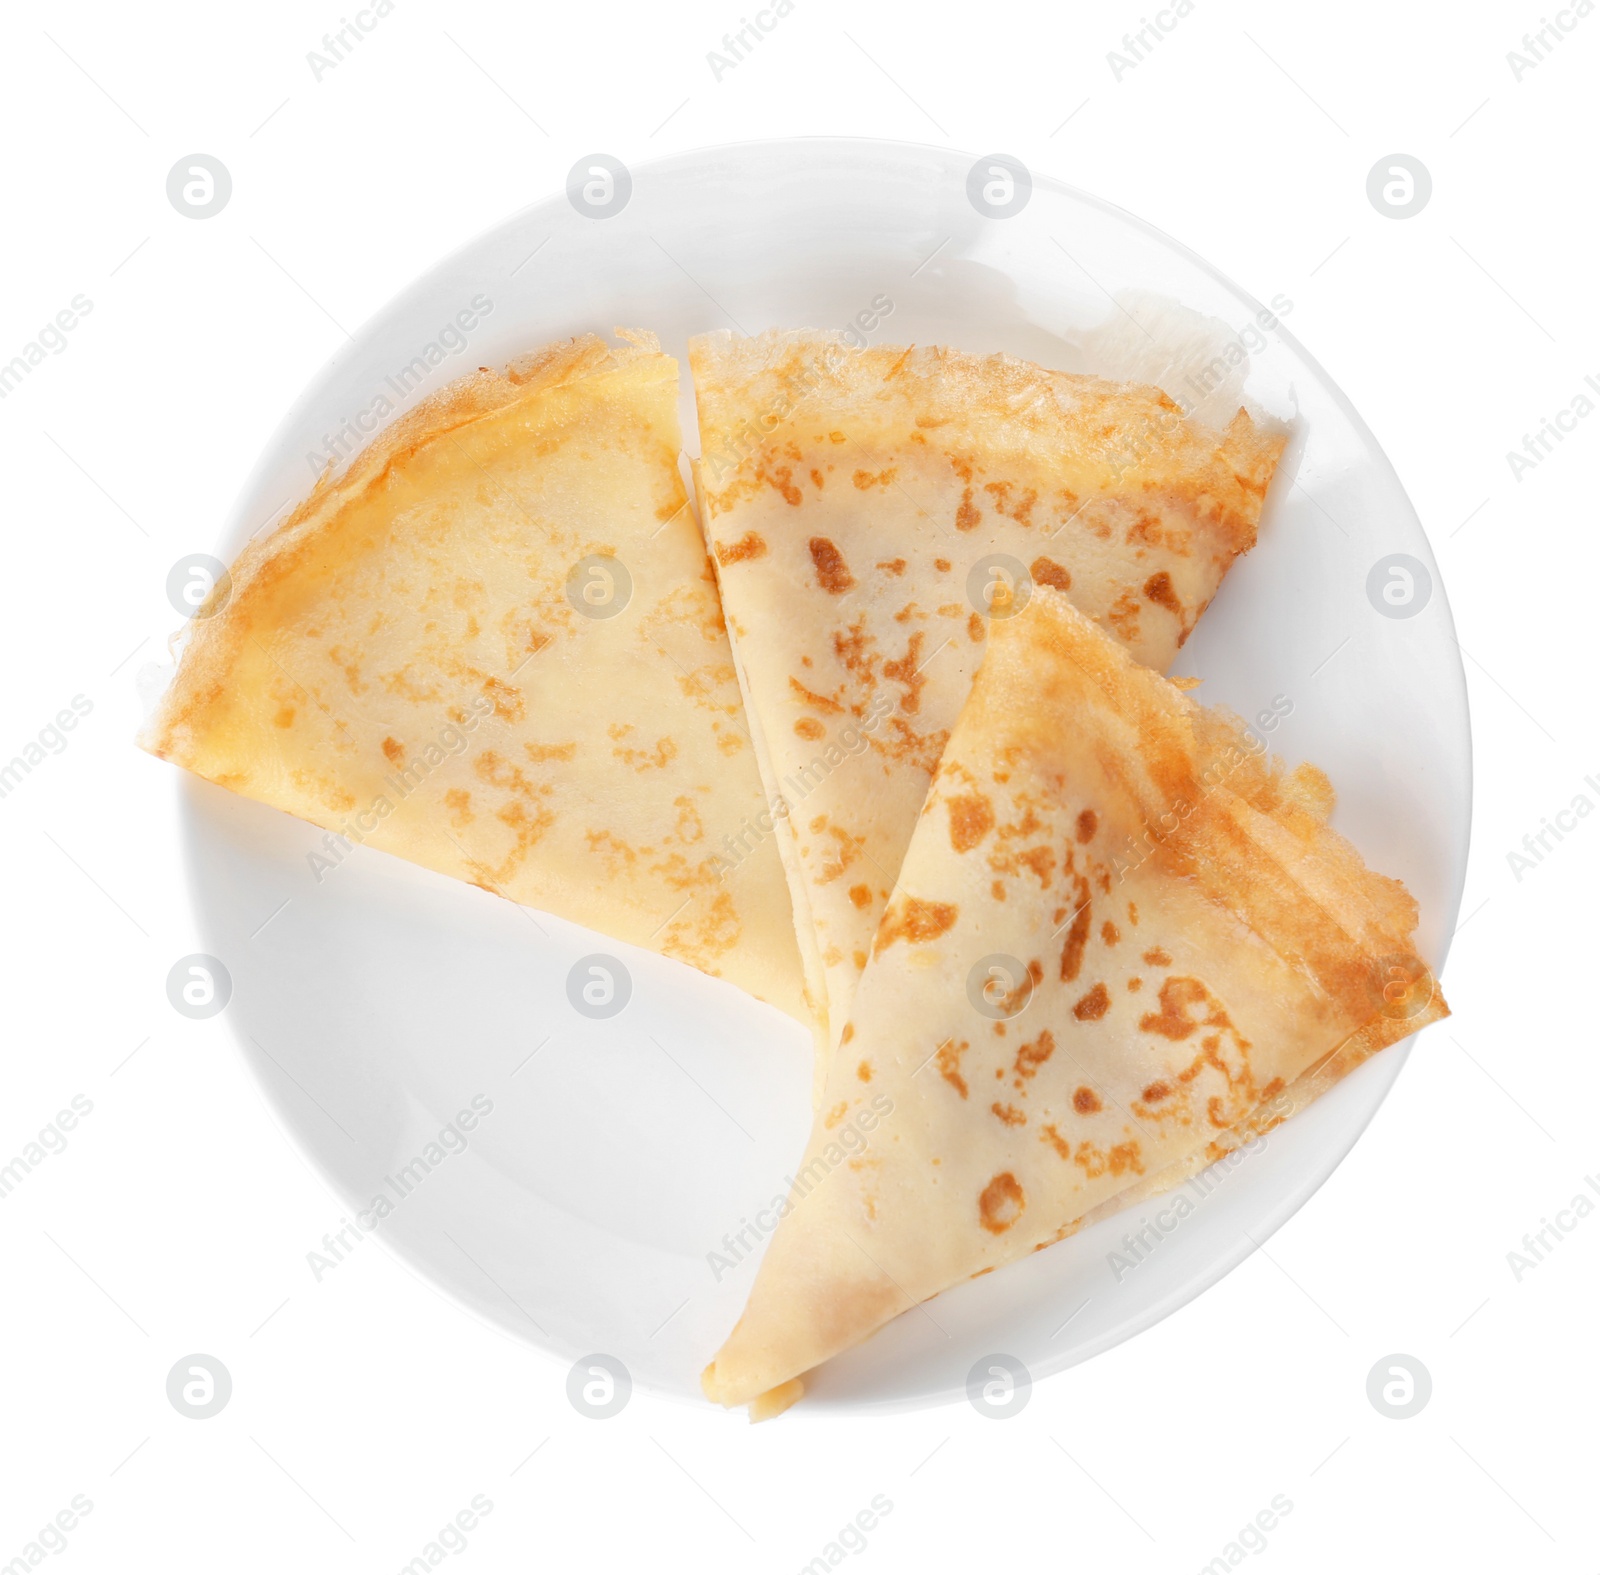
{"x":997,"y":403}
{"x":1185,"y":753}
{"x":209,"y":641}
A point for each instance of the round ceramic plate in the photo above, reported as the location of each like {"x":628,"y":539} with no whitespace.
{"x":588,"y":1209}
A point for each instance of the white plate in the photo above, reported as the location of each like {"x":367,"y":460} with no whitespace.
{"x":374,"y":1006}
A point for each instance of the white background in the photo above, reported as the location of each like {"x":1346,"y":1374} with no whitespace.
{"x":367,"y":1410}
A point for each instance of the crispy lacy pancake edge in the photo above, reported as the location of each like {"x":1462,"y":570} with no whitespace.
{"x":997,"y":401}
{"x":481,"y":393}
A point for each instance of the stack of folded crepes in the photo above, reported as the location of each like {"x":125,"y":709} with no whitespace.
{"x":1062,"y":936}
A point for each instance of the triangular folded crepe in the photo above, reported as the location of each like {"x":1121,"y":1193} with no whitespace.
{"x":493,"y":646}
{"x":1124,"y":940}
{"x":861,"y":506}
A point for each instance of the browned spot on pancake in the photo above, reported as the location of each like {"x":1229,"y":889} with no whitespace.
{"x":859,"y":958}
{"x":1094,"y":1005}
{"x":657,"y":759}
{"x":1078,"y":935}
{"x":1158,"y":589}
{"x":1031,"y":1057}
{"x":1001,"y":1203}
{"x":836,"y":1115}
{"x":861,"y":895}
{"x":907,"y":670}
{"x":997,"y":890}
{"x":539,"y":753}
{"x":750,"y":545}
{"x":916,"y":920}
{"x":856,"y":649}
{"x":848,"y":1034}
{"x":689,"y":827}
{"x":1157,"y":958}
{"x":1173,"y":1021}
{"x":1120,"y":1158}
{"x":521,"y":635}
{"x":967,"y":514}
{"x":1155,"y":1093}
{"x":394,"y":750}
{"x":812,"y":698}
{"x":809,"y":727}
{"x":284,"y":716}
{"x":1009,"y":1114}
{"x":942,"y":565}
{"x":839,"y":858}
{"x":783,"y":480}
{"x":1046,"y":571}
{"x":816,"y":478}
{"x":833,"y":574}
{"x":1123,"y":618}
{"x":507,"y":702}
{"x":1133,"y":913}
{"x":1019,"y":995}
{"x":1085,"y":1101}
{"x":971,"y":820}
{"x":974,"y":628}
{"x":525,"y":812}
{"x":865,"y":480}
{"x":1091,"y":1159}
{"x":893,"y":565}
{"x":1109,"y":933}
{"x":949,"y":1059}
{"x":459,"y":802}
{"x":1136,"y":983}
{"x":1001,"y":492}
{"x":1088,"y":824}
{"x":864,"y":1071}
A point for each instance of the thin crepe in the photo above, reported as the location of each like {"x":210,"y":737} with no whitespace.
{"x":1125,"y":941}
{"x":861,"y":506}
{"x":493,"y":646}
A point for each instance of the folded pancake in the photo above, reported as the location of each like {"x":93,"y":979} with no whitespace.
{"x":1125,"y":940}
{"x":493,"y":646}
{"x":862,"y":505}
